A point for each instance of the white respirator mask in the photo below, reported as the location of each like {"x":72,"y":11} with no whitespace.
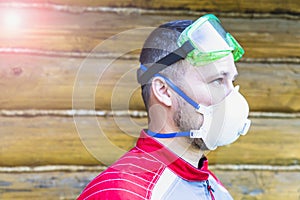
{"x":223,"y":122}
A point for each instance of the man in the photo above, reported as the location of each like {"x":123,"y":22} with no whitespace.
{"x":187,"y":73}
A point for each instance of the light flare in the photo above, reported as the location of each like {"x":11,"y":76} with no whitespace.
{"x":11,"y":20}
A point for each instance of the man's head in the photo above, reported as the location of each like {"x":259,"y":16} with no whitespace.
{"x":161,"y":42}
{"x":193,"y":77}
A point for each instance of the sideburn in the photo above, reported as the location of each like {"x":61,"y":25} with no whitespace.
{"x":187,"y":119}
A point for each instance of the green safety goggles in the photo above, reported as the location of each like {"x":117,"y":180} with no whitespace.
{"x":201,"y":43}
{"x":210,"y":41}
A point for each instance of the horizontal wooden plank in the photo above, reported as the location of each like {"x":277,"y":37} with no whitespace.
{"x":261,"y":185}
{"x":62,"y":31}
{"x":270,"y":87}
{"x":259,"y":6}
{"x":37,"y":82}
{"x":61,"y":185}
{"x":269,"y":139}
{"x":33,"y":141}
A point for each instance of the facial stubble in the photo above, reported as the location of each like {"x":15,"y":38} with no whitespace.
{"x":186,"y":119}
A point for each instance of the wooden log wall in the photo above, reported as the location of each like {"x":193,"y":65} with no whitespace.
{"x":70,"y":104}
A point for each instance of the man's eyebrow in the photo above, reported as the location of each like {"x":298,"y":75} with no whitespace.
{"x":220,"y":73}
{"x":223,"y":73}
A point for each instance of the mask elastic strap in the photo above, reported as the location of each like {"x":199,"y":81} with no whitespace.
{"x":191,"y":134}
{"x":179,"y":92}
{"x":168,"y":135}
{"x":175,"y":88}
{"x":200,"y":109}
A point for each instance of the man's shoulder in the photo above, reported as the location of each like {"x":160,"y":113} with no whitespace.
{"x":133,"y":176}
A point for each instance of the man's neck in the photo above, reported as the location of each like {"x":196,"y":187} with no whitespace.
{"x":182,"y":148}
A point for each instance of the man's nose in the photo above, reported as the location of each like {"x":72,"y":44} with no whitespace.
{"x":229,"y":87}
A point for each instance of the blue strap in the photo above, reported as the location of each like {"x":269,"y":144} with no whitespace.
{"x":168,"y":135}
{"x":175,"y":88}
{"x":179,"y":92}
{"x":143,"y":67}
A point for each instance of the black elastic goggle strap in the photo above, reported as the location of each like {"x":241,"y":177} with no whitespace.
{"x":166,"y":61}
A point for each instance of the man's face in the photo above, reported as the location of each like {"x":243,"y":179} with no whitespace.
{"x":207,"y":85}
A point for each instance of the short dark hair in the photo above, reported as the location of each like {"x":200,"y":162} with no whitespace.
{"x":162,"y":41}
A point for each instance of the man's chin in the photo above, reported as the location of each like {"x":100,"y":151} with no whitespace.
{"x":197,"y":143}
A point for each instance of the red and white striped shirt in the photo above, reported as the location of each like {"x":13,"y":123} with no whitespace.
{"x":151,"y":171}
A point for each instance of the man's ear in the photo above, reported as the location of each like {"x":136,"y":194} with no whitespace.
{"x":161,"y":91}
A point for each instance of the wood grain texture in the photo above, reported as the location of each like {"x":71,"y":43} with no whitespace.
{"x":262,"y":6}
{"x":33,"y":141}
{"x":39,"y":82}
{"x":62,"y":31}
{"x":247,"y":185}
{"x":57,"y":74}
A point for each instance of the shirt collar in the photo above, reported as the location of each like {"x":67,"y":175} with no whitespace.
{"x":170,"y":159}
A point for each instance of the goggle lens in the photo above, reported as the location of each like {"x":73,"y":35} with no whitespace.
{"x":210,"y":40}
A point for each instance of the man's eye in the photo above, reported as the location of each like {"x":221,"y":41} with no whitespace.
{"x":218,"y":81}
